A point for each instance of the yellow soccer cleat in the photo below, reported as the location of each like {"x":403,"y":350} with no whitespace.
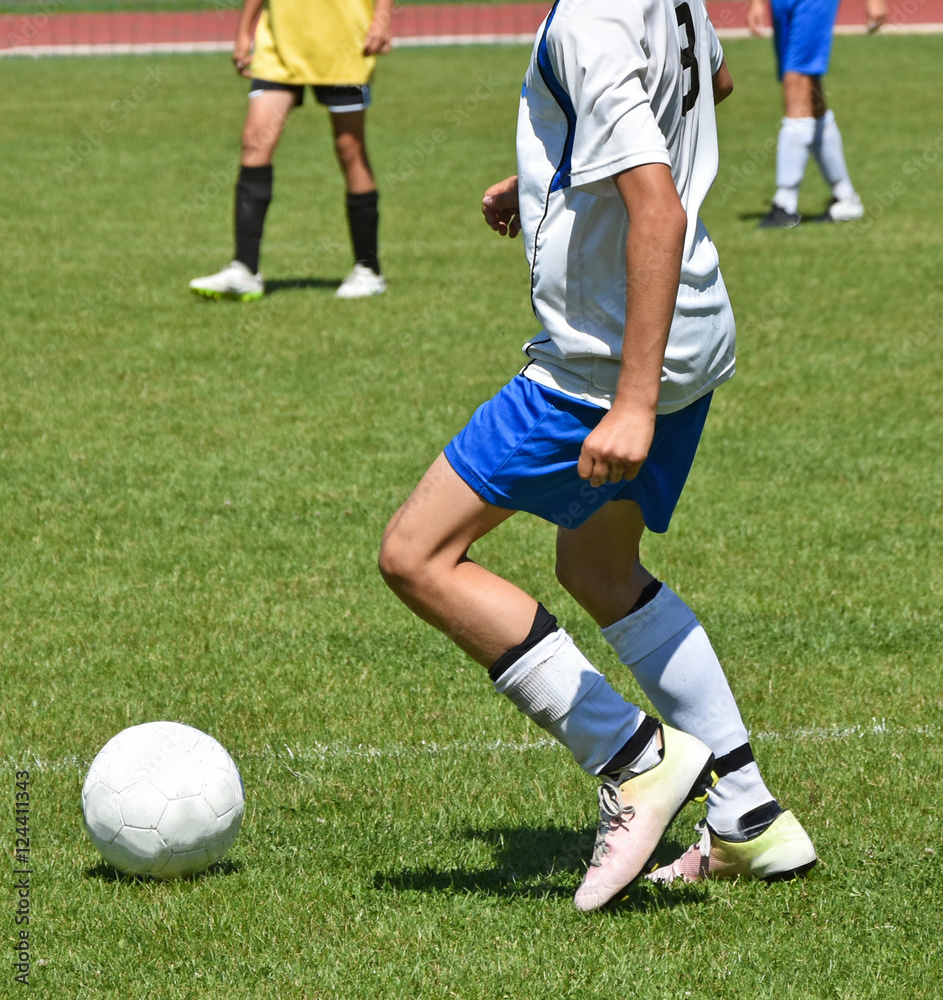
{"x":782,"y":851}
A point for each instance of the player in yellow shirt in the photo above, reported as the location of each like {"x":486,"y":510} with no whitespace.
{"x":282,"y":46}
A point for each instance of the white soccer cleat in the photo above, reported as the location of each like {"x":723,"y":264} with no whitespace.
{"x":844,"y":209}
{"x":361,"y":283}
{"x":235,"y":281}
{"x":634,"y":814}
{"x":781,"y":852}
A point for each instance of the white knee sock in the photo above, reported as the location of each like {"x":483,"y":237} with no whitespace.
{"x":670,"y":656}
{"x":829,"y":153}
{"x":556,"y":686}
{"x":792,"y":155}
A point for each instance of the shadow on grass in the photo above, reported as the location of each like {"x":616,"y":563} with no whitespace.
{"x":298,"y":284}
{"x":753,"y":216}
{"x":536,"y":863}
{"x":106,"y":873}
{"x":280,"y":285}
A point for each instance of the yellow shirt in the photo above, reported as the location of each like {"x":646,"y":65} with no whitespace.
{"x":313,"y":41}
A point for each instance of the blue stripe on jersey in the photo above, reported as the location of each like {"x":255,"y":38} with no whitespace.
{"x":561,"y":178}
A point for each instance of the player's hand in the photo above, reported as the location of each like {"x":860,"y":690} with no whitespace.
{"x":616,"y":448}
{"x":756,"y":17}
{"x":379,"y":38}
{"x":242,"y":56}
{"x":876,"y":11}
{"x":499,"y":205}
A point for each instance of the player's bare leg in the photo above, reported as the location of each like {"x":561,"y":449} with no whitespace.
{"x":598,"y":562}
{"x":350,"y":148}
{"x":803,"y":96}
{"x":265,"y":121}
{"x":362,"y":203}
{"x":804,"y":102}
{"x":424,"y":559}
{"x":808,"y":126}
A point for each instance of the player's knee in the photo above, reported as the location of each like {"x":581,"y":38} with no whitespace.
{"x":258,"y":142}
{"x":398,"y":562}
{"x":600,"y":591}
{"x":346,"y":144}
{"x":252,"y":150}
{"x":575,"y":578}
{"x":350,"y":152}
{"x":387,"y":560}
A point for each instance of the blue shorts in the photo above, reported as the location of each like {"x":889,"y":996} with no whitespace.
{"x":519,"y":451}
{"x":802,"y":34}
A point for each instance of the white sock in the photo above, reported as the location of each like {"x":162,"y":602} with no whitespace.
{"x":671,"y":658}
{"x":558,"y":688}
{"x":829,"y":153}
{"x":792,"y":155}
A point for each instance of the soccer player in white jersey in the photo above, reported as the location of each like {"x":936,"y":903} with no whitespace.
{"x":616,"y":150}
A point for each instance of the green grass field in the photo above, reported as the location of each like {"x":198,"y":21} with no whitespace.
{"x":193,"y":494}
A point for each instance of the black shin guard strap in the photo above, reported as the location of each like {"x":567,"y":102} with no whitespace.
{"x":648,"y":594}
{"x":544,"y":625}
{"x":733,"y":761}
{"x":634,"y":748}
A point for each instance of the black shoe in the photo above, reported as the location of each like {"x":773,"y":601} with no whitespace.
{"x":779,"y":218}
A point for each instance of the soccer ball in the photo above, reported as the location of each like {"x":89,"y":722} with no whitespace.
{"x":162,"y":799}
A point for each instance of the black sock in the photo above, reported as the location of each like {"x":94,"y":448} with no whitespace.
{"x":363,"y":217}
{"x":253,"y":194}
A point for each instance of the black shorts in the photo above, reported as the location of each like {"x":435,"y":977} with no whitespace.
{"x":335,"y":99}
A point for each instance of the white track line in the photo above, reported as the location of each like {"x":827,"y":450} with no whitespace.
{"x":419,"y":41}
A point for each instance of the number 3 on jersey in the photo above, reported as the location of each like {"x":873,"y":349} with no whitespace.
{"x":688,"y":57}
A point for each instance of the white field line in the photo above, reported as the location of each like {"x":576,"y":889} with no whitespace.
{"x":419,"y":41}
{"x":320,"y":752}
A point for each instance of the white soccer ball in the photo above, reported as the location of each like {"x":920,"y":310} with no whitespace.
{"x":162,"y":799}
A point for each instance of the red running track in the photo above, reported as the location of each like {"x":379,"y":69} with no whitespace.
{"x":63,"y":33}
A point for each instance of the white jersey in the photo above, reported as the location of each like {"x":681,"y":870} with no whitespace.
{"x":615,"y":84}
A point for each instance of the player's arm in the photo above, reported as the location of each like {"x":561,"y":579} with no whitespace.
{"x":500,"y":207}
{"x":379,"y":38}
{"x":722,"y":83}
{"x":756,"y":17}
{"x":619,"y":444}
{"x":876,"y":11}
{"x":245,"y":35}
